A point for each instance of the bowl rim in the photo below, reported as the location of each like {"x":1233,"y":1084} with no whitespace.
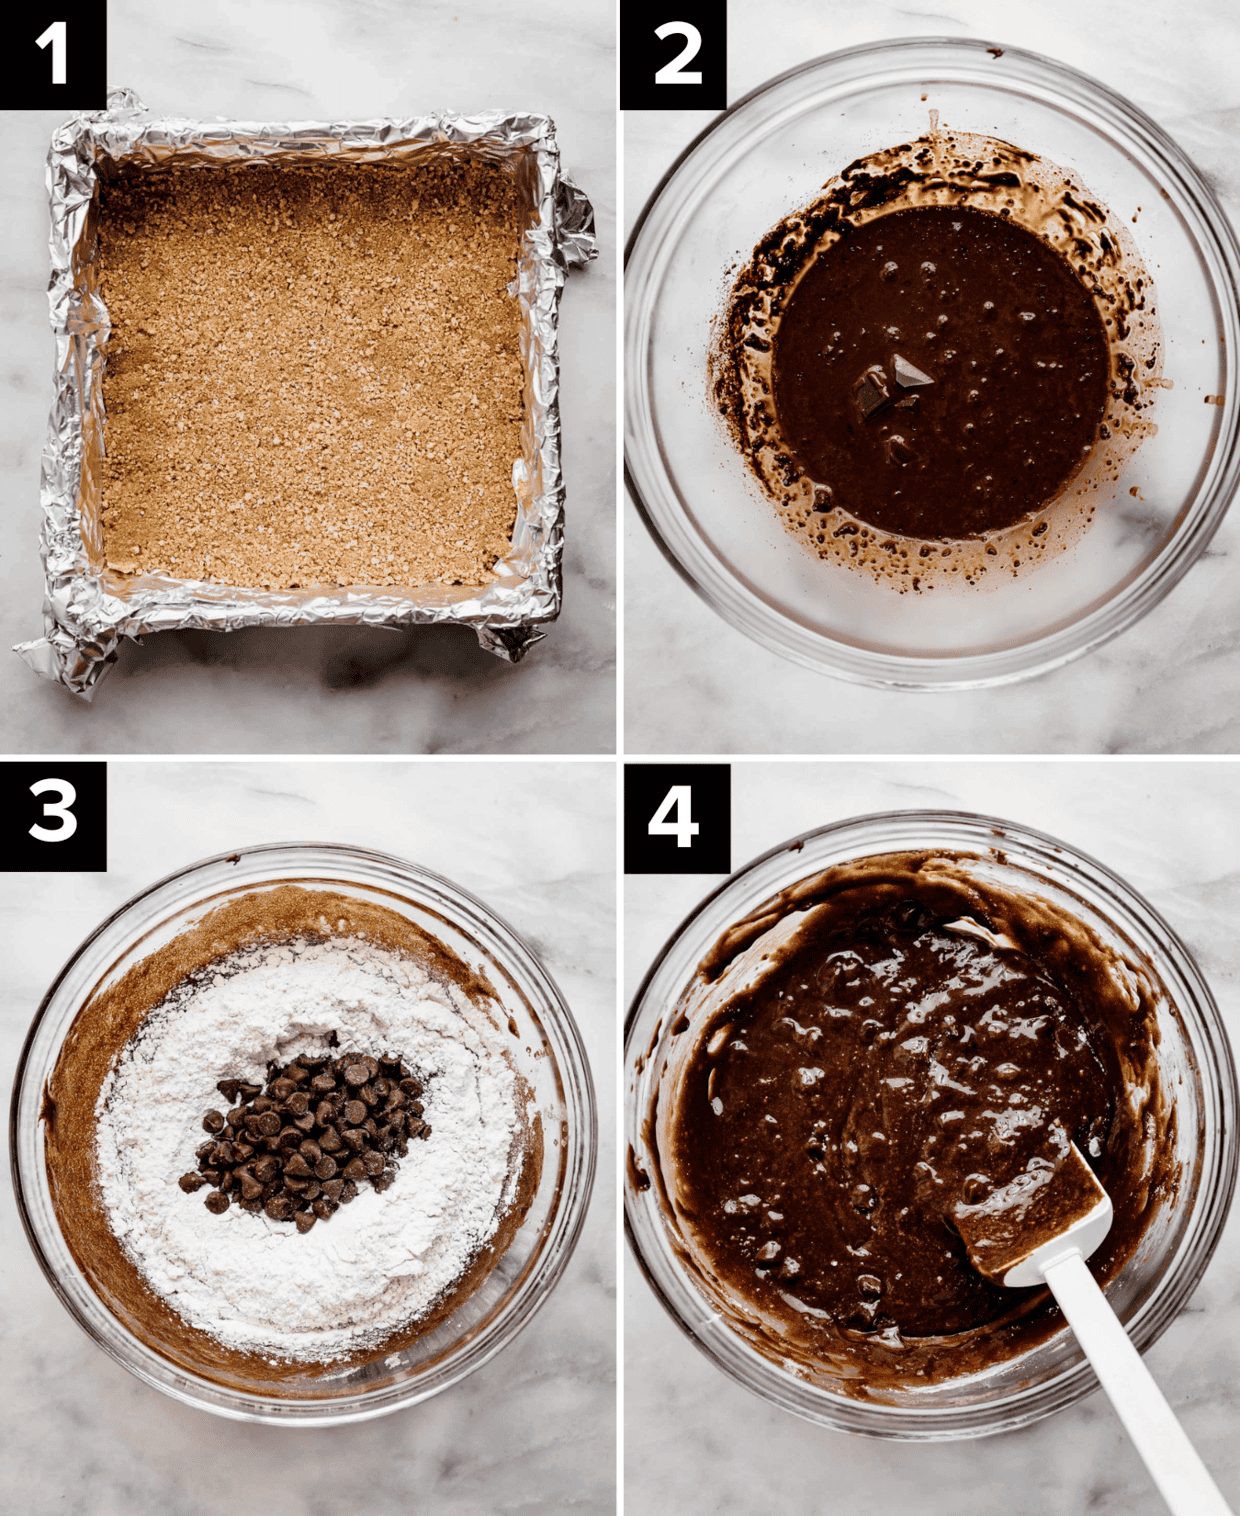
{"x":579,"y":1163}
{"x":759,"y":619}
{"x":1025,"y":1406}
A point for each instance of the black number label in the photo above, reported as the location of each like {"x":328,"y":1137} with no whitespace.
{"x":677,"y":818}
{"x":674,"y":72}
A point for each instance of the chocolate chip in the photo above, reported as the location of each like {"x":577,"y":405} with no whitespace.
{"x":354,"y":1112}
{"x":250,"y":1091}
{"x":213,"y":1121}
{"x":191,"y":1182}
{"x":298,"y":1103}
{"x":251,"y":1188}
{"x":281,"y":1089}
{"x":228,"y":1088}
{"x":384,"y":1180}
{"x":411,"y":1087}
{"x":299,"y":1168}
{"x":266,"y":1169}
{"x":269,"y":1124}
{"x":216,"y":1202}
{"x":372,"y":1164}
{"x":355,"y":1137}
{"x":332,"y":1189}
{"x":279,"y":1208}
{"x":354,"y":1170}
{"x":312,"y":1190}
{"x":323,"y":1084}
{"x":261,"y":1104}
{"x":305,"y":1220}
{"x":356,"y":1073}
{"x":367,"y":1093}
{"x":324,"y":1209}
{"x":304,"y":1123}
{"x":310,"y":1151}
{"x":293,"y":1185}
{"x":326,"y":1167}
{"x":348,"y":1193}
{"x":329,"y":1140}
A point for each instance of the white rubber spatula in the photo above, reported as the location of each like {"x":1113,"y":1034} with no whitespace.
{"x":1041,"y":1228}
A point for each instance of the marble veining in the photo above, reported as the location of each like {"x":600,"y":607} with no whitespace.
{"x":534,"y":1429}
{"x":1169,"y":684}
{"x":696,"y":1442}
{"x":353,"y":689}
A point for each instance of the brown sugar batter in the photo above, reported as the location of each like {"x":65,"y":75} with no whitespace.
{"x":899,"y":1043}
{"x":981,"y":360}
{"x":314,"y":374}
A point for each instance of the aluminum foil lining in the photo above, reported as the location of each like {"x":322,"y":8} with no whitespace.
{"x":87,"y":607}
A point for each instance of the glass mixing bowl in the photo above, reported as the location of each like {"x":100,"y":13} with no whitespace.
{"x":770,"y":154}
{"x":547,"y":1051}
{"x":1195,"y":1068}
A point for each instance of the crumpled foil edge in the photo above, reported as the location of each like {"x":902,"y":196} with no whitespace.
{"x":84,"y":615}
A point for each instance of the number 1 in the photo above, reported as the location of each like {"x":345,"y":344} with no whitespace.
{"x":55,"y":34}
{"x":684,"y":828}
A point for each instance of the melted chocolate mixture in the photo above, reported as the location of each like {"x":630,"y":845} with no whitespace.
{"x":1011,"y":360}
{"x":884,"y":1068}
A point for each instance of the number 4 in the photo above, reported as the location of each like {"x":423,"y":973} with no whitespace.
{"x":684,"y":828}
{"x":55,"y":34}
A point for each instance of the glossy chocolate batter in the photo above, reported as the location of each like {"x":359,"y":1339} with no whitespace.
{"x":901,"y":1044}
{"x":941,"y":370}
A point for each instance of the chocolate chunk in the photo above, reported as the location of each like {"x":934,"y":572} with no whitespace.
{"x":191,"y":1182}
{"x":897,"y":449}
{"x":871,"y":393}
{"x":213,"y":1121}
{"x":907,"y":376}
{"x":216,"y":1202}
{"x":354,"y":1112}
{"x":305,"y":1220}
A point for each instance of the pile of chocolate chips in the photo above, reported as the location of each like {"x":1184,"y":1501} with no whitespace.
{"x":303,"y":1146}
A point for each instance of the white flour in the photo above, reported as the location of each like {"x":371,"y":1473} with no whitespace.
{"x":380,"y":1262}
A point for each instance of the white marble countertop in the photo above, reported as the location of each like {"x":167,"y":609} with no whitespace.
{"x":352,"y":689}
{"x":534,"y":1429}
{"x":1169,"y":684}
{"x":698,"y":1443}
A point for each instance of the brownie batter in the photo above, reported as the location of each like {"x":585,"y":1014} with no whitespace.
{"x":941,"y":371}
{"x":884,"y":1045}
{"x":938,"y":370}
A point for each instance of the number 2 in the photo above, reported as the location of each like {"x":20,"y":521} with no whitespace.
{"x":57,"y":808}
{"x":671,"y":73}
{"x":684,"y":828}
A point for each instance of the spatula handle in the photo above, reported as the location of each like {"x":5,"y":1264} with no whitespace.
{"x":1181,"y":1477}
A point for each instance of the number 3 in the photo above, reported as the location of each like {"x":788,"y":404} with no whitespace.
{"x":58,"y":808}
{"x":684,"y":828}
{"x":671,"y":73}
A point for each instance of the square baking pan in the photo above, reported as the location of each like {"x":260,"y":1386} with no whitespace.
{"x":89,"y":607}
